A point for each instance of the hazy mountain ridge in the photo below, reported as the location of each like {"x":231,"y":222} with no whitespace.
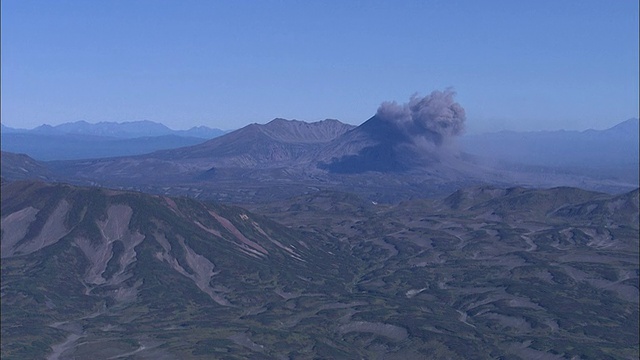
{"x":305,"y":132}
{"x":613,"y":147}
{"x":82,"y":140}
{"x":78,"y":147}
{"x":127,"y":129}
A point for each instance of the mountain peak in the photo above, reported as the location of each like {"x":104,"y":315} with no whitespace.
{"x":283,"y":120}
{"x":275,"y":143}
{"x":298,"y":131}
{"x":630,"y":125}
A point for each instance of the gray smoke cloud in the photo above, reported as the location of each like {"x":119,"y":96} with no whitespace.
{"x":434,"y":119}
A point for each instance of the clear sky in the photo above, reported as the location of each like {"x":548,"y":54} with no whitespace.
{"x":519,"y":65}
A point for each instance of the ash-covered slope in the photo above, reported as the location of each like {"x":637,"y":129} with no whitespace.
{"x":278,"y":143}
{"x":404,"y":151}
{"x":399,"y":138}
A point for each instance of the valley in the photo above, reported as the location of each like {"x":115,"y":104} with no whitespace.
{"x":484,"y":272}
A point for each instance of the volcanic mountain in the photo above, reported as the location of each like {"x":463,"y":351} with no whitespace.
{"x":373,"y":146}
{"x":404,"y":151}
{"x":377,"y":145}
{"x":414,"y":137}
{"x":279,"y":144}
{"x":399,"y":138}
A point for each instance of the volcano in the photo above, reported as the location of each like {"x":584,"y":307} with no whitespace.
{"x":400,"y":138}
{"x":376,"y":145}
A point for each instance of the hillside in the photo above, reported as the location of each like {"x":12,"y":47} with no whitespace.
{"x":275,"y":144}
{"x":115,"y":267}
{"x":22,"y":167}
{"x":486,"y":272}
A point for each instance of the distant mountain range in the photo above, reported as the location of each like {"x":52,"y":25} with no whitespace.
{"x":120,"y":130}
{"x":614,"y":147}
{"x":82,"y":140}
{"x":377,"y":159}
{"x":373,"y":146}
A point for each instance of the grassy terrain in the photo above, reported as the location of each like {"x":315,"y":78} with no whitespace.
{"x":485,"y":273}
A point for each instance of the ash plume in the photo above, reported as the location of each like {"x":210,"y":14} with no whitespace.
{"x":433,"y":119}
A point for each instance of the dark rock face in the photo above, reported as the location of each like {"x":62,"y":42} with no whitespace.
{"x":379,"y":158}
{"x":378,"y":147}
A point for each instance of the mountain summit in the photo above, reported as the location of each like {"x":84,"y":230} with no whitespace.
{"x":399,"y":137}
{"x":120,"y":130}
{"x":278,"y":143}
{"x":403,"y":151}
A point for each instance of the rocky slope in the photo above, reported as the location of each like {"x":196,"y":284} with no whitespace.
{"x":386,"y":158}
{"x":275,"y":144}
{"x":281,"y":146}
{"x":21,"y":167}
{"x":131,"y":262}
{"x":486,"y":272}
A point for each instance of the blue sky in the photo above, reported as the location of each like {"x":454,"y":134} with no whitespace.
{"x":519,"y":65}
